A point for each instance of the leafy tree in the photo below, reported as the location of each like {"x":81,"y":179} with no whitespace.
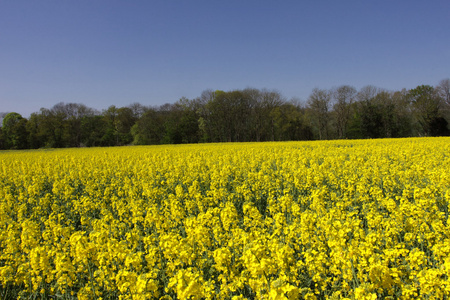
{"x":49,"y":128}
{"x":149,"y":129}
{"x":110,"y":136}
{"x":426,"y":105}
{"x":372,"y":124}
{"x":241,"y":115}
{"x":71,"y":115}
{"x":119,"y":122}
{"x":93,"y":129}
{"x":169,"y":115}
{"x":220,"y":118}
{"x":60,"y":126}
{"x":204,"y":115}
{"x":238,"y":116}
{"x":59,"y":116}
{"x":395,"y":111}
{"x":2,"y":142}
{"x":267,"y":108}
{"x":180,"y":122}
{"x":366,"y":114}
{"x":35,"y":136}
{"x":14,"y":131}
{"x":125,"y":120}
{"x":401,"y":121}
{"x":188,"y":122}
{"x":290,"y":122}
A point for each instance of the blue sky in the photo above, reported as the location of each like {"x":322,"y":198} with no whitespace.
{"x":108,"y":52}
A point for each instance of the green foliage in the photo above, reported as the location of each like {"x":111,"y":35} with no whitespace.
{"x":148,"y":129}
{"x":238,"y":116}
{"x":14,"y":131}
{"x":427,"y":103}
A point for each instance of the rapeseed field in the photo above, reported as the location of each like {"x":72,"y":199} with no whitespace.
{"x":347,"y":219}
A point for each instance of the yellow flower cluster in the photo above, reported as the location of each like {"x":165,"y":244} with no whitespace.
{"x":292,"y":220}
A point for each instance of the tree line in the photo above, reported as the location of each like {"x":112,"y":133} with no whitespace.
{"x":238,"y":116}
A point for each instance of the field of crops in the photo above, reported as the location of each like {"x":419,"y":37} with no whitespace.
{"x":292,"y":220}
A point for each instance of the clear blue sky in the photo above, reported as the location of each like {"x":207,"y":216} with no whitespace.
{"x":108,"y":52}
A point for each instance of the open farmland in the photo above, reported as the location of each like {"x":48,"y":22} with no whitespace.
{"x":290,"y":220}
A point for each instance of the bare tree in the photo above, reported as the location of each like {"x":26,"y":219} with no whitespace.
{"x":367,"y":93}
{"x":204,"y":120}
{"x":270,"y":100}
{"x":138,"y":109}
{"x":319,"y":105}
{"x":444,"y":90}
{"x":2,"y":115}
{"x":343,"y":98}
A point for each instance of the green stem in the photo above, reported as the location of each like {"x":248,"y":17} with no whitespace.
{"x":91,"y":277}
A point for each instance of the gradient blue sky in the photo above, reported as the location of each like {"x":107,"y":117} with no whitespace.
{"x":108,"y":52}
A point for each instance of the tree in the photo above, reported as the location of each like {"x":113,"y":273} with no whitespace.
{"x":14,"y":131}
{"x":2,"y":116}
{"x":240,"y":113}
{"x":206,"y":133}
{"x":34,"y":127}
{"x":110,"y":137}
{"x":343,"y":98}
{"x":93,"y":129}
{"x":318,"y":107}
{"x":170,"y":115}
{"x":188,"y":126}
{"x":2,"y":141}
{"x":268,"y":106}
{"x":290,"y":122}
{"x":427,"y":108}
{"x":222,"y":115}
{"x":119,"y":122}
{"x":71,"y":115}
{"x":372,"y":114}
{"x":367,"y":93}
{"x":367,"y":114}
{"x":125,"y":120}
{"x":443,"y":90}
{"x":149,"y":129}
{"x":137,"y":109}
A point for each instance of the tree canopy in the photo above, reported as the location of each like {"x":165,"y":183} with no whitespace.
{"x":238,"y":116}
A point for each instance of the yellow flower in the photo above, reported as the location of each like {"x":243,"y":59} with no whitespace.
{"x":296,"y":220}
